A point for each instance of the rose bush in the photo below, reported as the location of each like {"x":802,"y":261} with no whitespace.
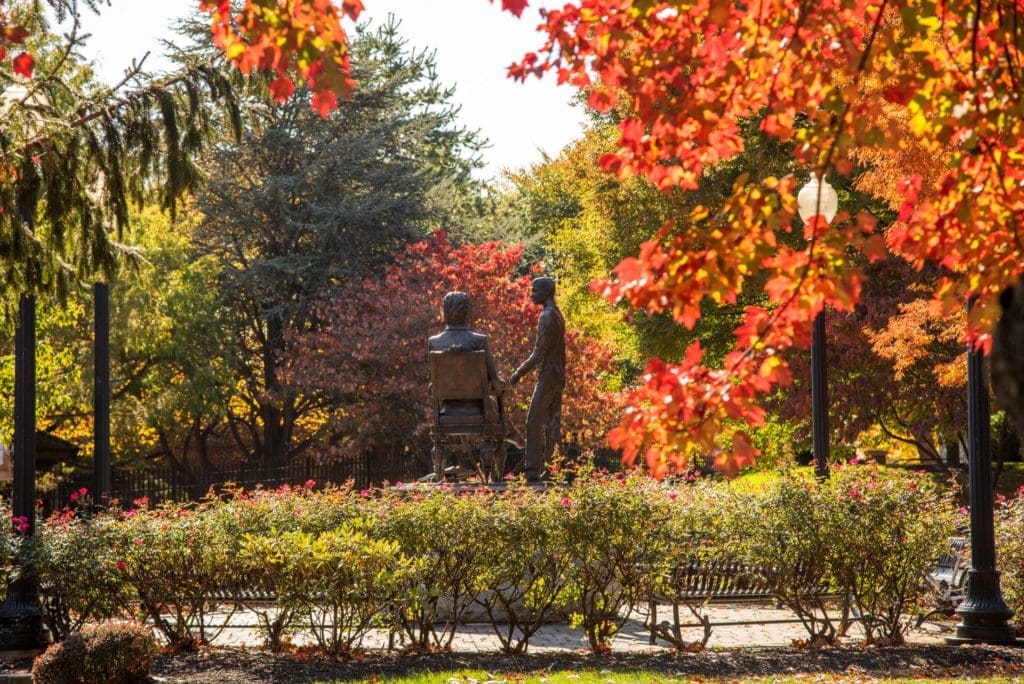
{"x":337,"y":562}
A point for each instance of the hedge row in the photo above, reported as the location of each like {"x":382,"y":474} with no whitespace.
{"x":341,"y":562}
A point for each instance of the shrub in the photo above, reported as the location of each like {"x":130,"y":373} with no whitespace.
{"x":112,"y":653}
{"x":443,"y":532}
{"x":78,"y":575}
{"x":1010,"y":552}
{"x":866,"y":535}
{"x":694,"y":530}
{"x":888,"y":527}
{"x":613,"y":530}
{"x":783,"y":534}
{"x":341,"y":580}
{"x":525,"y":571}
{"x":174,"y":560}
{"x":266,"y":515}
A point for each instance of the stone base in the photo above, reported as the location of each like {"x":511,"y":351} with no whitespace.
{"x":25,"y":654}
{"x":972,"y":641}
{"x":469,"y":486}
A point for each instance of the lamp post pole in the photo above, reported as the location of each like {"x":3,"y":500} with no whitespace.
{"x":101,"y":395}
{"x":819,"y":397}
{"x":984,"y":615}
{"x":818,"y":199}
{"x":21,"y":622}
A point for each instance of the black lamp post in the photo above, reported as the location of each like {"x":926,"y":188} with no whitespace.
{"x":818,"y":198}
{"x":984,"y":615}
{"x":21,"y":622}
{"x":101,"y":395}
{"x":819,"y":397}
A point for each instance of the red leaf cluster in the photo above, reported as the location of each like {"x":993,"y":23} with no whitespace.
{"x":12,"y":34}
{"x":294,"y":39}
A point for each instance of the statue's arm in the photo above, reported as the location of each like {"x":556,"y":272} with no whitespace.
{"x":544,"y":340}
{"x":492,"y":368}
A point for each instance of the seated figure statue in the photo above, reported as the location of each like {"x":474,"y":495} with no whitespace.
{"x":458,"y":337}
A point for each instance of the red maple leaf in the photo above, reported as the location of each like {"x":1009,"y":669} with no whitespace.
{"x":23,"y":64}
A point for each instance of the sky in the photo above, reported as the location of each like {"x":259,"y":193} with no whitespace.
{"x":474,"y":41}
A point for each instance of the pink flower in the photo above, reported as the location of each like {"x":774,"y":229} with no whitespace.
{"x":963,"y":510}
{"x":74,"y":497}
{"x":1001,"y":498}
{"x":912,"y":485}
{"x":554,"y":468}
{"x":399,"y":484}
{"x":121,"y":566}
{"x":365,"y":493}
{"x":310,"y":484}
{"x":141,"y":502}
{"x":854,"y":494}
{"x":137,"y":541}
{"x":565,"y":502}
{"x":83,"y":491}
{"x":672,"y":496}
{"x":21,"y":523}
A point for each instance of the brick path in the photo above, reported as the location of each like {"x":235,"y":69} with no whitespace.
{"x":633,"y":637}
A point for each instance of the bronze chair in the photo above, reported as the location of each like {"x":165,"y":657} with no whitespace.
{"x":465,"y":404}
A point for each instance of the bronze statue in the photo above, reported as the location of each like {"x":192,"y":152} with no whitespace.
{"x":544,"y":421}
{"x":453,"y":383}
{"x":458,"y":336}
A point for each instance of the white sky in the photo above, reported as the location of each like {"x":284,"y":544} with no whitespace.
{"x":475,"y":42}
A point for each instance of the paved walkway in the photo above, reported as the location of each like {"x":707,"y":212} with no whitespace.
{"x":633,"y":637}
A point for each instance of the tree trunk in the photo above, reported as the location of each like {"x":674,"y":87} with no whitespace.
{"x":275,"y":442}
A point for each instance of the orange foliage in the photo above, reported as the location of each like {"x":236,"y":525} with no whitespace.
{"x":927,"y":92}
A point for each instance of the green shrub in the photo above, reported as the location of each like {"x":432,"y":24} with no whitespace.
{"x":174,"y":559}
{"x":79,"y":579}
{"x":888,"y":527}
{"x":112,"y":654}
{"x":265,"y":515}
{"x":525,"y":571}
{"x":783,"y":533}
{"x":444,"y":533}
{"x":1010,"y":553}
{"x":865,"y":535}
{"x":694,"y":531}
{"x":342,"y":581}
{"x":613,"y":529}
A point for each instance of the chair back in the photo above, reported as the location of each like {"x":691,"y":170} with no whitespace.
{"x":459,"y":387}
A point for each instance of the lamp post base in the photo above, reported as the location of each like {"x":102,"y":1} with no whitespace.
{"x":984,"y":615}
{"x":22,"y":635}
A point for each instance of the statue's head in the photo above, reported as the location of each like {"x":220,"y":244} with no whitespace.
{"x":456,"y":308}
{"x":543,"y":289}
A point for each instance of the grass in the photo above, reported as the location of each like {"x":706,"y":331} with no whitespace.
{"x":652,"y":677}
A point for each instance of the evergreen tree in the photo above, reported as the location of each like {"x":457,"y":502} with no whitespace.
{"x":303,"y":204}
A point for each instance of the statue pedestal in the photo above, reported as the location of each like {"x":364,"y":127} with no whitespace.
{"x":458,"y":487}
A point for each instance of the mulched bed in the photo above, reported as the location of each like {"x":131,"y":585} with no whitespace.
{"x":256,"y":667}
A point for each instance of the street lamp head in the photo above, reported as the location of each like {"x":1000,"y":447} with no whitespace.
{"x":817,"y":198}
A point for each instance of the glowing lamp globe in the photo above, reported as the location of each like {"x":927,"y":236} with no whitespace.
{"x":817,"y":198}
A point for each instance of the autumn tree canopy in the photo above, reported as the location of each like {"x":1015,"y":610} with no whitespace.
{"x":842,"y":81}
{"x":826,"y":77}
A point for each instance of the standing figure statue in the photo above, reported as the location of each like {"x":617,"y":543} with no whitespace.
{"x":544,"y":421}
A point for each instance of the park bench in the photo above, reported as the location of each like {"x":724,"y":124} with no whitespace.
{"x":948,"y":579}
{"x":699,"y":582}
